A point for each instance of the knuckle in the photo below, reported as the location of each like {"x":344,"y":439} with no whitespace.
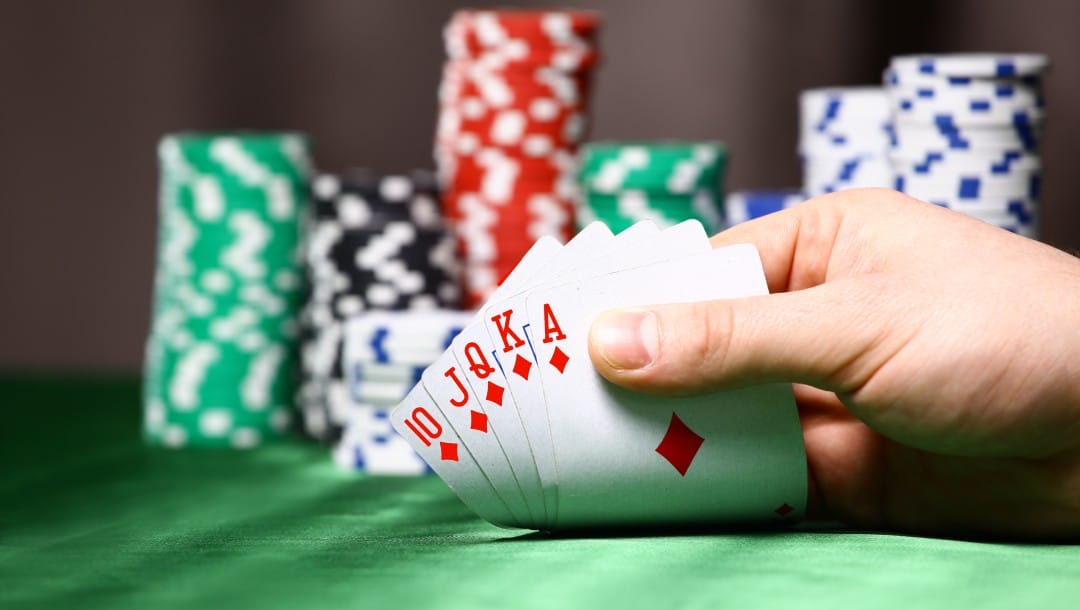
{"x":710,"y":340}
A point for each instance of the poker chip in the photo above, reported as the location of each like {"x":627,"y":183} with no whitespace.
{"x":513,"y":109}
{"x":665,"y":182}
{"x":375,"y":243}
{"x":843,"y":139}
{"x":369,"y":444}
{"x":383,"y":357}
{"x":943,"y":134}
{"x":1003,"y":104}
{"x":220,"y":367}
{"x":970,"y":185}
{"x":929,"y":161}
{"x":970,"y":66}
{"x":741,"y":206}
{"x":967,"y":133}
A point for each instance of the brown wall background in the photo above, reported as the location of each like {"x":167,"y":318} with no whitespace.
{"x":87,"y":88}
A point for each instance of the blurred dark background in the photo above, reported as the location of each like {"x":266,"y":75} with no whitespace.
{"x":87,"y":88}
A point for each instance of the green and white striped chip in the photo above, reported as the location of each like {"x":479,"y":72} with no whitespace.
{"x":221,"y":354}
{"x":666,"y":182}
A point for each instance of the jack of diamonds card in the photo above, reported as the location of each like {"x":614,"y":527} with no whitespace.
{"x":420,"y":422}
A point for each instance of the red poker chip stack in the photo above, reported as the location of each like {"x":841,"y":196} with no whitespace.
{"x":512,"y":111}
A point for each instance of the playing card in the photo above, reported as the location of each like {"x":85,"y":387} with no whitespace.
{"x":446,"y":386}
{"x":472,"y":349}
{"x":626,"y":458}
{"x":420,"y":422}
{"x":448,"y":459}
{"x":507,"y":327}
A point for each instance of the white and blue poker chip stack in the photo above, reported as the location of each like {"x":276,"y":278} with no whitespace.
{"x":844,"y":139}
{"x":741,"y":206}
{"x":966,"y":133}
{"x":384,"y":355}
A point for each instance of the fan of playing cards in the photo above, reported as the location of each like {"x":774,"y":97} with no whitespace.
{"x":516,"y":420}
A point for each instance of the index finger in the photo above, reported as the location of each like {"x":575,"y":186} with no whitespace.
{"x":795,"y":244}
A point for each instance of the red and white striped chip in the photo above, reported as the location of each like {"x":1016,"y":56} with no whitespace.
{"x":513,"y":109}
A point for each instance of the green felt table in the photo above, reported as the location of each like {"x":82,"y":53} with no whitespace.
{"x":90,"y":518}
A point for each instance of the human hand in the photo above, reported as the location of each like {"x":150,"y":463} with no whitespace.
{"x":936,"y":361}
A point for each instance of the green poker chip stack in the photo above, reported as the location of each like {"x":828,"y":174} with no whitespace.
{"x":666,"y":182}
{"x":221,"y":355}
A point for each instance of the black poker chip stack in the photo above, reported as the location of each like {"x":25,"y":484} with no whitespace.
{"x":375,"y":243}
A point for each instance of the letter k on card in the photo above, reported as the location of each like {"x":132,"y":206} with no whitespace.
{"x":507,"y":341}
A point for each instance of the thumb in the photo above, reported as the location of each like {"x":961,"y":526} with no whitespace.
{"x":822,"y":336}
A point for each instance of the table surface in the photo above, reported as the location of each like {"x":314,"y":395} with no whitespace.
{"x":90,"y":518}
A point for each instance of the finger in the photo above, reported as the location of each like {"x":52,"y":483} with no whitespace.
{"x":860,"y":477}
{"x":825,"y":237}
{"x":818,"y":410}
{"x":824,"y":336}
{"x":814,"y":401}
{"x":795,"y":244}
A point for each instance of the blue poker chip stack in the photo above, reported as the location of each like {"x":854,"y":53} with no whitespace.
{"x":844,"y":139}
{"x":966,"y":133}
{"x":741,"y":206}
{"x":383,"y":356}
